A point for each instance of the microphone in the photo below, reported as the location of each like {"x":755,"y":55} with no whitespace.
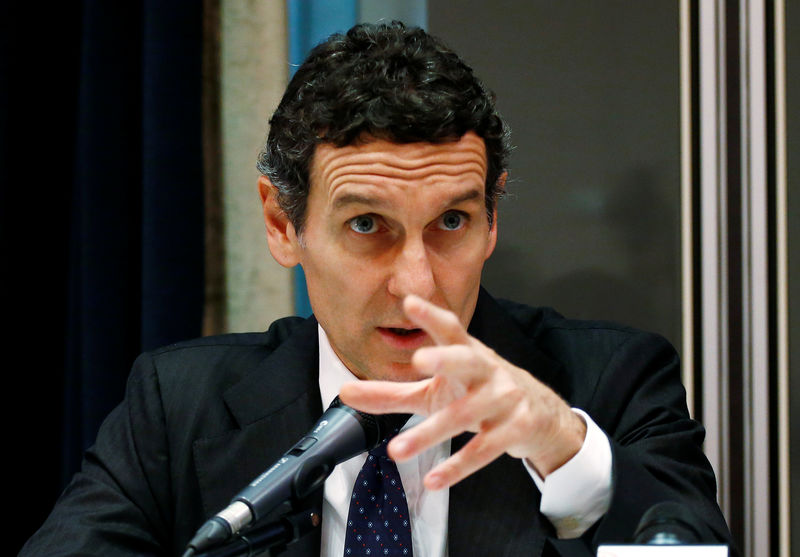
{"x":340,"y":434}
{"x":668,"y":523}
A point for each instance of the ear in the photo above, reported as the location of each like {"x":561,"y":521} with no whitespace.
{"x":501,"y":186}
{"x":501,"y":182}
{"x":492,"y":236}
{"x":281,"y":235}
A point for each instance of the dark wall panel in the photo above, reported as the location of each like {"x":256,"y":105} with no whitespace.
{"x":591,"y":90}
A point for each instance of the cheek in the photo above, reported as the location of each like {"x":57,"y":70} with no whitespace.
{"x":460,"y":280}
{"x":340,"y":284}
{"x":466,"y":262}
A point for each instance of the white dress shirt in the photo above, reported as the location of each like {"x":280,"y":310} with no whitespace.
{"x":573,"y":497}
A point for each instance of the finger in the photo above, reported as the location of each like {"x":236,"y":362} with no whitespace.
{"x":442,"y":325}
{"x":463,"y":414}
{"x":482,"y":449}
{"x":385,"y":397}
{"x":455,"y":360}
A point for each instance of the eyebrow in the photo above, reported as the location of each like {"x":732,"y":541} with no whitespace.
{"x":358,"y":199}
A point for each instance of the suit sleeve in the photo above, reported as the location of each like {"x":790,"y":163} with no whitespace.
{"x":657,"y":452}
{"x":119,"y":503}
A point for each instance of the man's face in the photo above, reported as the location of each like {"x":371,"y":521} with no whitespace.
{"x":385,"y":220}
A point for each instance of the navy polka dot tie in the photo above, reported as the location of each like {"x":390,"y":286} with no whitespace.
{"x":378,"y":523}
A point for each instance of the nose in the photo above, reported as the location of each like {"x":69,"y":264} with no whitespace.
{"x":412,"y":272}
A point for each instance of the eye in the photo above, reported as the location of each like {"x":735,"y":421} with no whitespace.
{"x":451,"y":220}
{"x":363,"y":224}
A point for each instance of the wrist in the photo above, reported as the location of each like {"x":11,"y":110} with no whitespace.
{"x":566,"y":445}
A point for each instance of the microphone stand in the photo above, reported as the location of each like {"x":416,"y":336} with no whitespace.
{"x":273,"y":536}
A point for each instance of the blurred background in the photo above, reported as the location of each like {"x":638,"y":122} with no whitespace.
{"x":654,"y":182}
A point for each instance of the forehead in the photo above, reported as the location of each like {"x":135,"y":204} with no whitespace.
{"x":377,"y":162}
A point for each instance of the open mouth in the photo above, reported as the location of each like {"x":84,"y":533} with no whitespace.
{"x":403,"y":332}
{"x":403,"y":338}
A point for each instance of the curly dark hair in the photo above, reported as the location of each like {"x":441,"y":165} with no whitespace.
{"x":386,"y":81}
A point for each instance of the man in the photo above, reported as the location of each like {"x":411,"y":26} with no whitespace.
{"x":531,"y":434}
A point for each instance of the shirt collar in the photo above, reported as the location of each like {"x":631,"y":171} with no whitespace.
{"x":332,"y":372}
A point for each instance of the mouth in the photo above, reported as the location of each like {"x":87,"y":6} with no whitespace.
{"x":403,"y":332}
{"x":403,"y":338}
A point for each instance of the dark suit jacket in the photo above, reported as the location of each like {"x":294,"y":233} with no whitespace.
{"x":201,"y":419}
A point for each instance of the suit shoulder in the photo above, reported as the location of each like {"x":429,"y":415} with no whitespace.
{"x":277,"y":333}
{"x":592,"y":353}
{"x":213,"y":361}
{"x":560,"y":336}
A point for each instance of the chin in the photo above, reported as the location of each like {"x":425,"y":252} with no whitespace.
{"x":398,"y":372}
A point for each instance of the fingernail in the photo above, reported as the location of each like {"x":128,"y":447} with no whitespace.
{"x":412,"y":301}
{"x":399,"y":447}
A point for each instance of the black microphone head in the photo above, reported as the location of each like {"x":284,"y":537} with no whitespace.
{"x":376,"y":427}
{"x":668,"y":523}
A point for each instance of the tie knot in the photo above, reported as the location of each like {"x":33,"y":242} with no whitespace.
{"x":380,"y":450}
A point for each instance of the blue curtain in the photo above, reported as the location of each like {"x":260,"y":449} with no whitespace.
{"x":102,"y":215}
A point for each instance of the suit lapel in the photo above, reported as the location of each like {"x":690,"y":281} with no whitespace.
{"x":495,"y":511}
{"x":273,"y":406}
{"x":288,"y":373}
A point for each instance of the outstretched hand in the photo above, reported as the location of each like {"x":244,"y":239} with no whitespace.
{"x":469,"y":387}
